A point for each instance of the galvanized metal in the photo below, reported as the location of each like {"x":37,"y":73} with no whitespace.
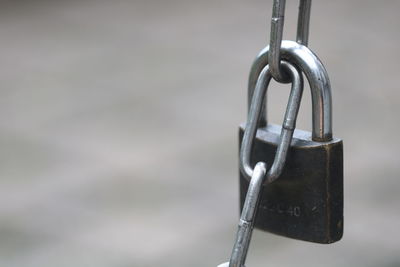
{"x":308,"y":63}
{"x":277,"y":25}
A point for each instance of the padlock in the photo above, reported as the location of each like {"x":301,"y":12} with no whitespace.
{"x":306,"y":201}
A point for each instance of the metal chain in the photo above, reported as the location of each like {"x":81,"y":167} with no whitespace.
{"x":246,"y":222}
{"x":288,"y":126}
{"x":259,"y":175}
{"x":277,"y":23}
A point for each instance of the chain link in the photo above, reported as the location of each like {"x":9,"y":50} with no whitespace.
{"x":259,"y":175}
{"x":288,"y":126}
{"x":277,"y":25}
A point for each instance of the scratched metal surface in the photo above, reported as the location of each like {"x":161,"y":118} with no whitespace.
{"x":118,"y":130}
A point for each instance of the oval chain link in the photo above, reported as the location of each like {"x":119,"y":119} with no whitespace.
{"x":277,"y":25}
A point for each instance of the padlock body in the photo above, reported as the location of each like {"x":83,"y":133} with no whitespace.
{"x":306,"y":201}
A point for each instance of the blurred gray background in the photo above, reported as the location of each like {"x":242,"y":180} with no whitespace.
{"x":118,"y":130}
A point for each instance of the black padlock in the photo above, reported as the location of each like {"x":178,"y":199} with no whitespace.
{"x":306,"y":201}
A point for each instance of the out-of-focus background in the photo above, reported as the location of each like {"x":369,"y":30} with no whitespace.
{"x":118,"y":130}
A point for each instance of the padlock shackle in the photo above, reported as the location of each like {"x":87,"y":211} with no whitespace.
{"x":317,"y":77}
